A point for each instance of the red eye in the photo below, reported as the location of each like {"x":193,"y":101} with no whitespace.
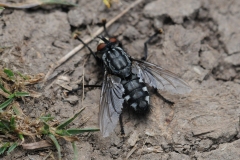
{"x":101,"y":46}
{"x":113,"y":40}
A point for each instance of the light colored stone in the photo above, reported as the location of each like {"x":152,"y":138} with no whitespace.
{"x":174,"y":8}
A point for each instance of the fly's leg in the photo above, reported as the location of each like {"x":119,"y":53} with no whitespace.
{"x":104,"y":22}
{"x":160,"y":31}
{"x":121,"y":125}
{"x":92,"y":85}
{"x":85,"y":86}
{"x":164,"y":99}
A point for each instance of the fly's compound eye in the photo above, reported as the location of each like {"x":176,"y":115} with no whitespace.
{"x":101,"y":46}
{"x":113,"y":40}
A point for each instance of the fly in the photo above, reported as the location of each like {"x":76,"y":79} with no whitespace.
{"x":126,"y":79}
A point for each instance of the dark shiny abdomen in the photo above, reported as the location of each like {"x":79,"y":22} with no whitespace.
{"x":136,"y":94}
{"x":117,"y":62}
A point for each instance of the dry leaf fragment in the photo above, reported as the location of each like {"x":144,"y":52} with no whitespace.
{"x":37,"y":145}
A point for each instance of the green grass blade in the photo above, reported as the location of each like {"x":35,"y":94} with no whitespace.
{"x":75,"y":131}
{"x":12,"y":124}
{"x":46,"y":118}
{"x":53,"y":138}
{"x":12,"y":147}
{"x":21,"y":137}
{"x":75,"y":152}
{"x":9,"y":73}
{"x":4,"y":147}
{"x":21,"y":94}
{"x":67,"y":122}
{"x":6,"y":103}
{"x":62,"y":132}
{"x":45,"y":129}
{"x":4,"y":126}
{"x":60,"y":2}
{"x":11,"y":96}
{"x":21,"y":75}
{"x":6,"y":91}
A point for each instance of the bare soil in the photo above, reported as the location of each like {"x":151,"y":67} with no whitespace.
{"x":201,"y":43}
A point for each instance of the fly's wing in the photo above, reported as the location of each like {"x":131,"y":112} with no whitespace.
{"x":111,"y":103}
{"x":159,"y":77}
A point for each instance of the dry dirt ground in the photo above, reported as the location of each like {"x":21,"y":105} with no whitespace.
{"x":201,"y":43}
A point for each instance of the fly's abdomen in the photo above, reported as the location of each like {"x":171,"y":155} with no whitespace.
{"x":117,"y":62}
{"x":136,"y":94}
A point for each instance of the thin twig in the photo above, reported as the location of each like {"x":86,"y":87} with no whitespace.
{"x":132,"y":151}
{"x":47,"y":156}
{"x":86,"y":41}
{"x":143,"y":147}
{"x":83,"y":96}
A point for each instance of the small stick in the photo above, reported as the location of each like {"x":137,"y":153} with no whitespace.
{"x":86,"y":41}
{"x":83,"y":96}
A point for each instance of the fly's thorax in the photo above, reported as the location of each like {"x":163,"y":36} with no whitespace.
{"x":115,"y":59}
{"x":117,"y":62}
{"x":136,"y":94}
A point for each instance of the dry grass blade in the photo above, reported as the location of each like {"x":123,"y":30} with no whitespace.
{"x":34,"y":94}
{"x":131,"y":152}
{"x":4,"y":94}
{"x":3,"y":75}
{"x":70,"y":138}
{"x":17,"y":109}
{"x":80,"y":46}
{"x":15,"y":82}
{"x":37,"y":145}
{"x":35,"y":79}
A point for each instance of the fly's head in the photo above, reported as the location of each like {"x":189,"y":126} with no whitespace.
{"x":106,"y":45}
